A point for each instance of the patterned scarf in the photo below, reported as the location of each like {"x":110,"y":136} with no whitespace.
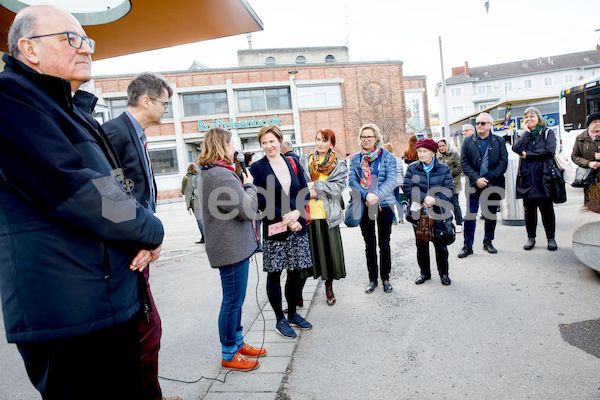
{"x":328,"y":164}
{"x":368,"y":156}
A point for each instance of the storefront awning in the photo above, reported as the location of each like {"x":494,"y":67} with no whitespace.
{"x":150,"y":24}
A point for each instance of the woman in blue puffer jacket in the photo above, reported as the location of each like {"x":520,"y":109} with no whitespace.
{"x":429,"y":183}
{"x":373,"y":174}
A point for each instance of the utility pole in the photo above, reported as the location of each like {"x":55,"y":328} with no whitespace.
{"x":445,"y":126}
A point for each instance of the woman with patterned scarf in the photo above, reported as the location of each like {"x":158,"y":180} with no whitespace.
{"x":536,"y":148}
{"x":373,"y":175}
{"x":327,"y":182}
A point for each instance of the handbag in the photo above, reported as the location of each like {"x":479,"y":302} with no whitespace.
{"x":558,"y":193}
{"x":354,"y":211}
{"x":583,"y":177}
{"x":444,"y":231}
{"x":424,"y":232}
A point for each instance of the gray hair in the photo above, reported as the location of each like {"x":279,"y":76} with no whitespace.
{"x":147,"y":84}
{"x":542,"y":121}
{"x":484,"y":113}
{"x":287,"y":145}
{"x":22,"y":27}
{"x":468,"y":126}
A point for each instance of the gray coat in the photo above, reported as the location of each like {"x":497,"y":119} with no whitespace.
{"x":228,"y":210}
{"x":330,"y":191}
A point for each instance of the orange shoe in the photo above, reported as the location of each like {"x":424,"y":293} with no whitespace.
{"x":240,"y":363}
{"x":250,"y":351}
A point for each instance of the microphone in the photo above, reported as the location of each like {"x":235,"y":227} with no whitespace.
{"x":242,"y":160}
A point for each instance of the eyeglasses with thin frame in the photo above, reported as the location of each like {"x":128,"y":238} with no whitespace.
{"x":366,"y":137}
{"x":74,"y":39}
{"x":482,"y":123}
{"x":164,"y":103}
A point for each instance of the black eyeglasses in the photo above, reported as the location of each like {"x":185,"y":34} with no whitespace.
{"x":483,"y":123}
{"x":366,"y":137}
{"x":164,"y":103}
{"x":75,"y":40}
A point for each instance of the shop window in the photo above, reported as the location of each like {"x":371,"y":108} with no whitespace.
{"x":164,"y":161}
{"x":320,"y":96}
{"x":202,"y":104}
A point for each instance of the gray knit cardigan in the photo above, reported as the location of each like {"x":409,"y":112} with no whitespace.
{"x":227,"y":210}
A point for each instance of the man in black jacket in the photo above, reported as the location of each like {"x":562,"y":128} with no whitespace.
{"x":70,"y":236}
{"x":483,"y":160}
{"x":147,"y":101}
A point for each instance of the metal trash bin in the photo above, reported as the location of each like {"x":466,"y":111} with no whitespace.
{"x":511,"y":208}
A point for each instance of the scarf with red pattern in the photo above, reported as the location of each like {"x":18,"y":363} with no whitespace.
{"x":328,"y":164}
{"x":368,"y":156}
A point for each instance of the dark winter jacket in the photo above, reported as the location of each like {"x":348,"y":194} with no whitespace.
{"x":68,"y":232}
{"x":439,"y":183}
{"x":386,"y":180}
{"x":584,"y":149}
{"x":534,"y":179}
{"x":471,"y":156}
{"x":452,"y":159}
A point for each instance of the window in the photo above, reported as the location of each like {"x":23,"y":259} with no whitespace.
{"x":548,"y":81}
{"x":117,"y":107}
{"x":164,"y":161}
{"x":457,"y":111}
{"x":201,"y":104}
{"x":329,"y":58}
{"x":568,"y":78}
{"x":484,"y":89}
{"x":270,"y":61}
{"x":483,"y":106}
{"x":507,"y":86}
{"x":527,"y":84}
{"x":320,"y":96}
{"x":300,"y":60}
{"x":264,"y":99}
{"x":169,"y":113}
{"x":456,"y":92}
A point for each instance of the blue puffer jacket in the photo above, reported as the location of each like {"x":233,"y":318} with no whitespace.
{"x":64,"y":256}
{"x":386,"y":181}
{"x":439,"y":184}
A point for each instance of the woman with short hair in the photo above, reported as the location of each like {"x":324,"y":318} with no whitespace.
{"x":230,"y":240}
{"x":285,"y":244}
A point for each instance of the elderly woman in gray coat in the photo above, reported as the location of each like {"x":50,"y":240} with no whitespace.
{"x":326,"y":182}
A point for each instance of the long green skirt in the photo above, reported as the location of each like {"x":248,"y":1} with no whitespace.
{"x":326,"y":251}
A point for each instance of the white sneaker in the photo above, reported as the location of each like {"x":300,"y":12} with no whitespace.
{"x":459,"y":228}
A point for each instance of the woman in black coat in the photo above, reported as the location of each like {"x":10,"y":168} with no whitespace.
{"x":429,"y":182}
{"x":536,"y":148}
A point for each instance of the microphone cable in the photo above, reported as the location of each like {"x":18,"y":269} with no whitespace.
{"x":261,"y":346}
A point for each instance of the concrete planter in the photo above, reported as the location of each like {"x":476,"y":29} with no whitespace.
{"x":586,"y":245}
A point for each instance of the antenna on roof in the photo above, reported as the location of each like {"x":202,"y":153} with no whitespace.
{"x":347,"y":38}
{"x":487,"y":6}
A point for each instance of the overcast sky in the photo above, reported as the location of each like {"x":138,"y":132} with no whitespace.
{"x":405,"y":30}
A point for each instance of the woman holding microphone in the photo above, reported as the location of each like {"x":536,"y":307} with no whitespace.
{"x":230,"y":241}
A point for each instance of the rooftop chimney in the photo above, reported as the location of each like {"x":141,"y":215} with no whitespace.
{"x":249,"y":36}
{"x":467,"y":68}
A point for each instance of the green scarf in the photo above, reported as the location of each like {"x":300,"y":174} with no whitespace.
{"x":534,"y":134}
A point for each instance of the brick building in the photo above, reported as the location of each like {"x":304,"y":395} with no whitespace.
{"x":301,"y":98}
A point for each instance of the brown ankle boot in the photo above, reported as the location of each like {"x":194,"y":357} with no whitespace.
{"x":329,"y":293}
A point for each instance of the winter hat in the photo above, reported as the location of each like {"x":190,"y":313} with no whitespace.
{"x":593,"y":117}
{"x":429,"y":144}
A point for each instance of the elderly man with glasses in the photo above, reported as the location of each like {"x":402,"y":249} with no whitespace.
{"x":70,"y":236}
{"x":483,"y":160}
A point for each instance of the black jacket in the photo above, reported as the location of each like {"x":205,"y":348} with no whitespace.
{"x":130,"y":151}
{"x":534,"y":179}
{"x":282,"y":204}
{"x":68,"y":232}
{"x":439,"y":184}
{"x":471,"y":156}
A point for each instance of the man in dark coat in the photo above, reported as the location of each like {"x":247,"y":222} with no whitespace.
{"x":483,"y":160}
{"x":70,"y":236}
{"x":147,"y":101}
{"x":287,"y":149}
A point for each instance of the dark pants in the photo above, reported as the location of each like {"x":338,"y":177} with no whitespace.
{"x":150,"y":334}
{"x":441,"y":256}
{"x":292,"y":292}
{"x":98,"y":365}
{"x":384,"y":229}
{"x":546,"y":209}
{"x":457,"y":211}
{"x":470,"y":221}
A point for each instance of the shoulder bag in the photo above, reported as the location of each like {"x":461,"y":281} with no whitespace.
{"x":444,"y":231}
{"x":558,"y":193}
{"x":354,"y":211}
{"x":583,"y":177}
{"x":424,"y":232}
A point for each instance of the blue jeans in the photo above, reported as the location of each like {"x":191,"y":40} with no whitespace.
{"x":234,"y":279}
{"x":198,"y":216}
{"x":471,"y":218}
